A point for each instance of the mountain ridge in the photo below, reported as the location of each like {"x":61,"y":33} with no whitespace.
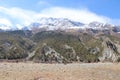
{"x":55,"y":23}
{"x":59,"y":46}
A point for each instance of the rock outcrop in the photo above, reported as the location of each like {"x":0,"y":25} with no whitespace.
{"x":110,"y":52}
{"x":50,"y":55}
{"x":70,"y":53}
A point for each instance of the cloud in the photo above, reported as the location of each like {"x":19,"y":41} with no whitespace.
{"x":82,"y":15}
{"x":25,"y":17}
{"x":21,"y":15}
{"x":5,"y":21}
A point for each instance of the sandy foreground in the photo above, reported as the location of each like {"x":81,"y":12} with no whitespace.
{"x":75,"y":71}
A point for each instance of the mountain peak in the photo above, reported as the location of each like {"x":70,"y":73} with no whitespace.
{"x":51,"y":23}
{"x":55,"y":23}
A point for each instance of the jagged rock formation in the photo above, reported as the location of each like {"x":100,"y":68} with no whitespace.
{"x":110,"y":52}
{"x":47,"y":54}
{"x":50,"y":55}
{"x":70,"y":53}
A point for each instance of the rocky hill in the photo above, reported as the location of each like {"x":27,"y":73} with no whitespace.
{"x":60,"y":46}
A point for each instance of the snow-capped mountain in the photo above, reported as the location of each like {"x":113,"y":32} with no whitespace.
{"x":55,"y":23}
{"x":64,"y":23}
{"x":95,"y":24}
{"x":98,"y":26}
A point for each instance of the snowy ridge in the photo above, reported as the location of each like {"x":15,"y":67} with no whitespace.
{"x":58,"y":23}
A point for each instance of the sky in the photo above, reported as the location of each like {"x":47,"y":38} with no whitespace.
{"x":23,"y":12}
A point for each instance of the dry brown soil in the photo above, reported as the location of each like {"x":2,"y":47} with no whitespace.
{"x":74,"y":71}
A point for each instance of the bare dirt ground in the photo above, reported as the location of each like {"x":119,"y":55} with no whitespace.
{"x":75,"y":71}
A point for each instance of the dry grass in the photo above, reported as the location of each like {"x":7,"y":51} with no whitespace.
{"x":38,"y":71}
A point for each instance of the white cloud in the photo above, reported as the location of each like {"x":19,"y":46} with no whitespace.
{"x":4,"y":24}
{"x":5,"y":21}
{"x":25,"y":17}
{"x":82,"y":15}
{"x":19,"y":26}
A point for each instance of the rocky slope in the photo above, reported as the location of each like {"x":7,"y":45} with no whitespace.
{"x":60,"y":46}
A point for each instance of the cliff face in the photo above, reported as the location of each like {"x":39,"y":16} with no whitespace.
{"x":110,"y":51}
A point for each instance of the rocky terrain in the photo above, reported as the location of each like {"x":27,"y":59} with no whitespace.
{"x":60,"y":46}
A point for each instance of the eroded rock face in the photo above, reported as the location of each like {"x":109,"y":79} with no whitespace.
{"x":70,"y":52}
{"x":108,"y":55}
{"x":110,"y":52}
{"x":50,"y":55}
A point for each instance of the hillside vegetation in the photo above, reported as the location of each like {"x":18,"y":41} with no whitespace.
{"x":59,"y":46}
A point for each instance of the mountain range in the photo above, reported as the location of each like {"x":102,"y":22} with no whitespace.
{"x":59,"y":23}
{"x":61,"y":40}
